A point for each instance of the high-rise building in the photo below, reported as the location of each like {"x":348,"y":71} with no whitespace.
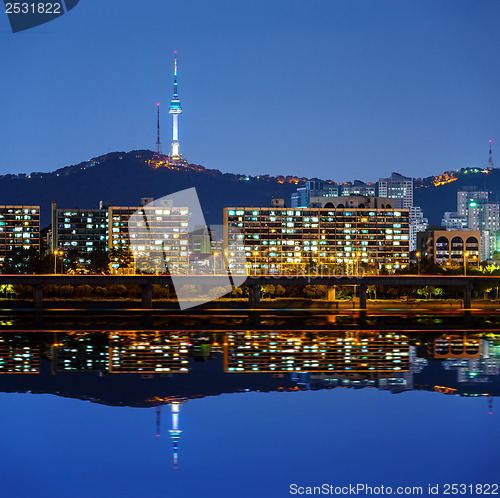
{"x":161,"y":235}
{"x":454,"y":221}
{"x":417,"y":224}
{"x":357,"y":188}
{"x":485,"y":217}
{"x":399,"y":187}
{"x":466,"y":195}
{"x":84,"y":230}
{"x":314,"y":188}
{"x":282,"y":240}
{"x":301,"y":197}
{"x":19,"y":228}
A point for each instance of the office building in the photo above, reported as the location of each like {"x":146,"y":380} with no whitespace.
{"x":19,"y":228}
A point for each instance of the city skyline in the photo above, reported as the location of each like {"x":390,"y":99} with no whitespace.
{"x":331,"y":91}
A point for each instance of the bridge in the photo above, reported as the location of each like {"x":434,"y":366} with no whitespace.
{"x":254,"y":283}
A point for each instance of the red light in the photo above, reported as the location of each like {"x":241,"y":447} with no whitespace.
{"x":175,"y":51}
{"x":158,"y":104}
{"x":490,"y":141}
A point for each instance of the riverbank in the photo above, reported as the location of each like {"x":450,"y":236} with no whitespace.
{"x":278,"y":303}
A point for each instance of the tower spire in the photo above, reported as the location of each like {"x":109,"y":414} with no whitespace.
{"x":158,"y":143}
{"x":490,"y":160}
{"x":175,"y":109}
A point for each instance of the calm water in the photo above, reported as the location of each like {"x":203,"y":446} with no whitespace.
{"x":250,"y":411}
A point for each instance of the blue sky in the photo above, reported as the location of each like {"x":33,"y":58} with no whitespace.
{"x":338,"y":89}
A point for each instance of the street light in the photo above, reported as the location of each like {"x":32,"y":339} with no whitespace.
{"x":55,"y":261}
{"x":418,"y":263}
{"x":465,"y":263}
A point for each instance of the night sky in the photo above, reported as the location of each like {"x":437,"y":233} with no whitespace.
{"x":339,"y":89}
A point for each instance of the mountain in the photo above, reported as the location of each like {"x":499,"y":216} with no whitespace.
{"x":123,"y":178}
{"x":437,"y":194}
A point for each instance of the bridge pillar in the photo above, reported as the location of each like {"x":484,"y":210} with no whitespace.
{"x":362,"y":296}
{"x":468,"y":295}
{"x":254,"y":296}
{"x":37,"y":295}
{"x":147,"y":296}
{"x":332,"y":293}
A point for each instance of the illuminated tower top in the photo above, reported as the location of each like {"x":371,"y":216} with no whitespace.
{"x":175,"y":432}
{"x":175,"y":109}
{"x":490,"y":160}
{"x":175,"y":103}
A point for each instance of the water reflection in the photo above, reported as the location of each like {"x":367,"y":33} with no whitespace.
{"x":157,"y":368}
{"x":300,"y":357}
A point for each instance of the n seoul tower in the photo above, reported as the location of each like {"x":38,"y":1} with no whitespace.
{"x":175,"y":109}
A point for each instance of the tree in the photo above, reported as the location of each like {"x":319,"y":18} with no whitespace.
{"x":99,"y":262}
{"x":71,"y":260}
{"x":268,"y":291}
{"x":438,"y":292}
{"x":122,"y":256}
{"x":21,"y":261}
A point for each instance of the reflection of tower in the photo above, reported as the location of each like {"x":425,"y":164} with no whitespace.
{"x":490,"y":404}
{"x":175,"y":432}
{"x":175,"y":109}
